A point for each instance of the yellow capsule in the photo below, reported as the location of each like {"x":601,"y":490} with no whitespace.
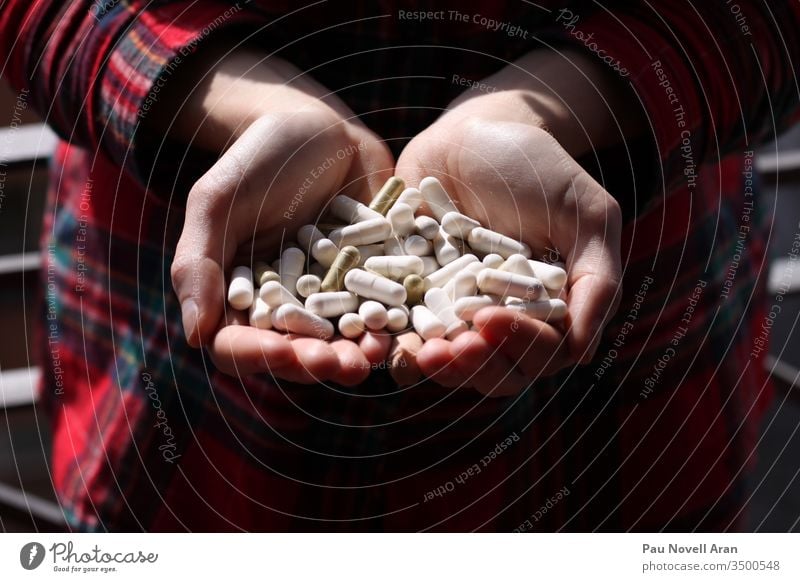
{"x":415,"y":289}
{"x":263,"y":273}
{"x":388,"y":195}
{"x":347,"y":259}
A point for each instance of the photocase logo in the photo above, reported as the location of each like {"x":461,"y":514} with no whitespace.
{"x":31,"y":555}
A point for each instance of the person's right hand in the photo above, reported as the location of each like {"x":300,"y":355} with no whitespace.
{"x":292,"y":148}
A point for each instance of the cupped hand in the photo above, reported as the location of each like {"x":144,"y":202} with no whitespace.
{"x":494,"y":156}
{"x":287,"y":148}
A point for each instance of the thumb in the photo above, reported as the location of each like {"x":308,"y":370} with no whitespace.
{"x":198,"y":268}
{"x":595,"y":272}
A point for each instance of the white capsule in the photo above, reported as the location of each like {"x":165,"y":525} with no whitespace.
{"x":393,"y":247}
{"x":372,"y":286}
{"x":549,"y":310}
{"x":429,"y":265}
{"x":395,"y":267}
{"x":397,"y":318}
{"x":464,"y":284}
{"x":307,"y":235}
{"x":487,"y":241}
{"x":241,"y":291}
{"x":426,"y":226}
{"x":425,"y":322}
{"x":519,"y":265}
{"x":318,"y":270}
{"x":352,"y":211}
{"x":505,"y":283}
{"x":412,"y":197}
{"x":274,"y":294}
{"x":437,"y":301}
{"x":292,"y":262}
{"x":441,"y":276}
{"x":418,"y":246}
{"x":294,"y":319}
{"x":362,"y":233}
{"x":402,"y":218}
{"x":332,"y":303}
{"x":260,"y":314}
{"x":466,"y":307}
{"x":374,"y":315}
{"x":458,"y":225}
{"x":436,"y":196}
{"x":445,"y":248}
{"x":493,"y":260}
{"x":325,"y":252}
{"x":351,"y":325}
{"x":551,"y":276}
{"x":367,"y":251}
{"x":308,"y":285}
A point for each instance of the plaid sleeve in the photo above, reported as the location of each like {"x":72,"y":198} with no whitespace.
{"x":713,"y":77}
{"x":94,"y":68}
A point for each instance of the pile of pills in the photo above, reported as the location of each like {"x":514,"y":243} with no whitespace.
{"x":383,"y":267}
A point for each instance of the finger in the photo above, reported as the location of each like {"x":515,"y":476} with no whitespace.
{"x":375,"y":346}
{"x":485,"y":367}
{"x":353,"y":364}
{"x":240,"y":350}
{"x":317,"y":361}
{"x":436,"y":361}
{"x":370,"y":167}
{"x":535,"y":347}
{"x":403,"y":365}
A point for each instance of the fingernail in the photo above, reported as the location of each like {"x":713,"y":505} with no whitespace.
{"x":191,"y":314}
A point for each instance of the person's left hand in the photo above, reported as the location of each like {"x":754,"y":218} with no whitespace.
{"x":501,"y":167}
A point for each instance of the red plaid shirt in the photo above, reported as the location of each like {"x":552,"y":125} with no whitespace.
{"x":658,"y":432}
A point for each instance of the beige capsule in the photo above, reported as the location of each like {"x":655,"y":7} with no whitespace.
{"x":387,"y":195}
{"x":347,"y":259}
{"x":415,"y":289}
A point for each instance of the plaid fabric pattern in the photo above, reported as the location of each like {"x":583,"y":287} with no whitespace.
{"x":657,"y":433}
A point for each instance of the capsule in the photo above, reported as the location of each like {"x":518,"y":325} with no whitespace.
{"x":415,"y":289}
{"x":437,"y":198}
{"x":362,"y":233}
{"x":401,"y":216}
{"x":312,"y":241}
{"x":332,"y":303}
{"x":429,"y":265}
{"x":519,"y":265}
{"x":387,"y":195}
{"x":347,"y":259}
{"x":457,"y":225}
{"x":445,"y":248}
{"x":397,"y":318}
{"x":425,"y":322}
{"x":393,"y":247}
{"x":372,"y":286}
{"x":418,"y":246}
{"x":241,"y":291}
{"x":274,"y":294}
{"x":441,"y":276}
{"x":466,"y":307}
{"x":412,"y":197}
{"x":427,"y":227}
{"x":395,"y":267}
{"x":464,"y":284}
{"x":294,"y":319}
{"x":374,"y":315}
{"x":551,"y":276}
{"x":263,"y":273}
{"x":351,"y":325}
{"x":260,"y":314}
{"x":308,"y":285}
{"x":373,"y":250}
{"x":487,"y":241}
{"x":504,"y":283}
{"x":549,"y":310}
{"x":352,"y":211}
{"x":292,"y":262}
{"x":493,"y":260}
{"x":439,"y":303}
